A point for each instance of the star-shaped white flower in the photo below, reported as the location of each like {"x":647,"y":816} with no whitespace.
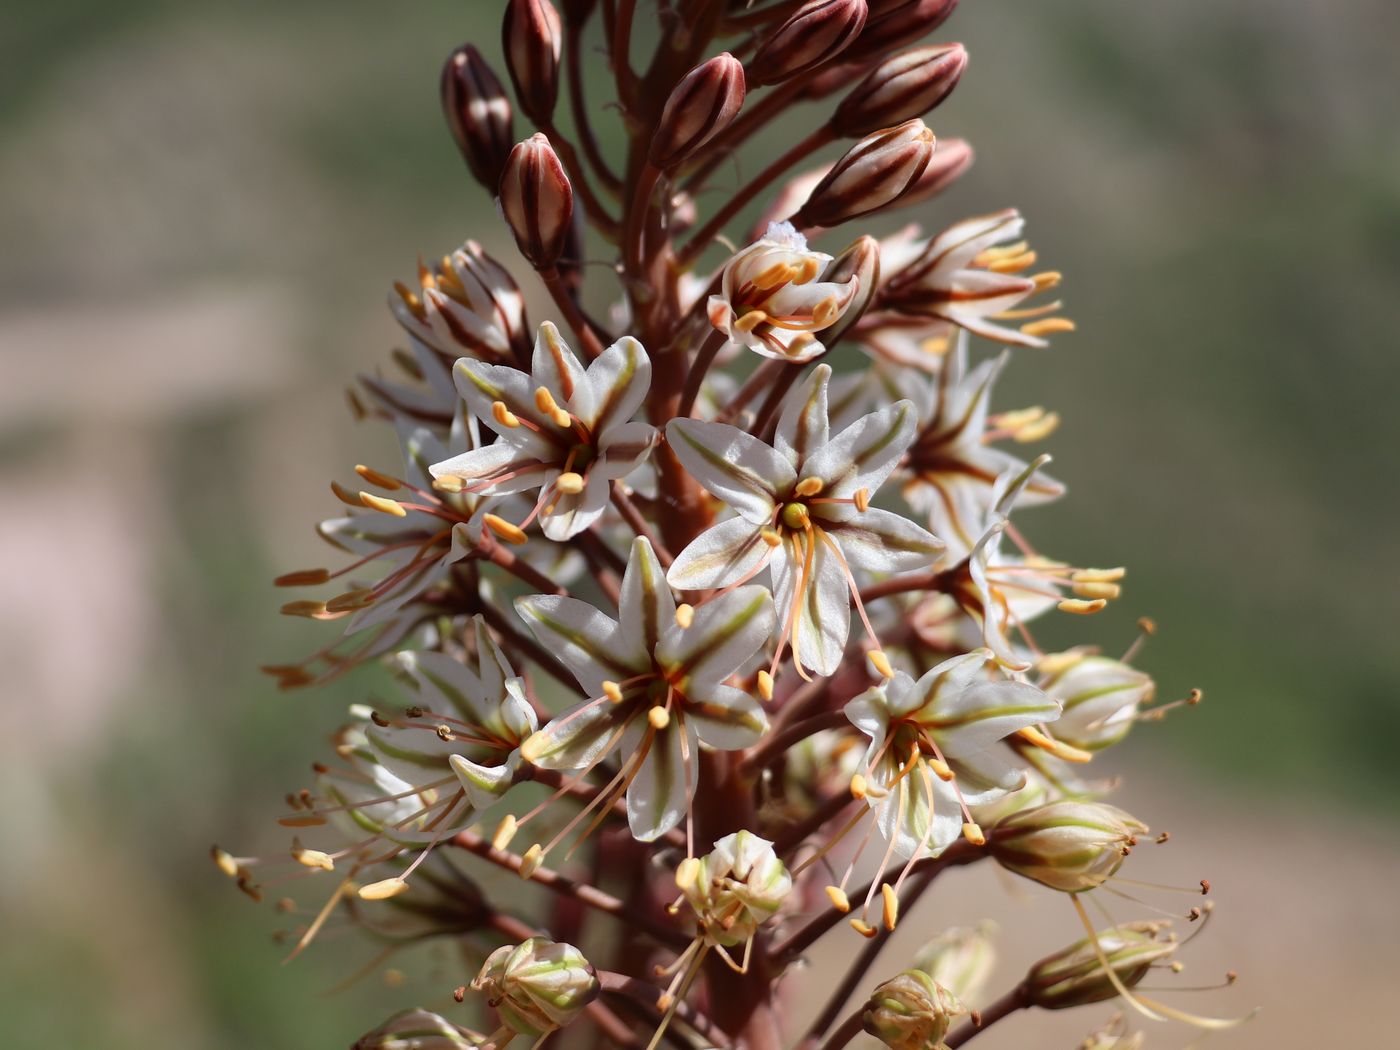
{"x":466,"y":722}
{"x":962,"y":276}
{"x":657,"y":689}
{"x":803,"y":510}
{"x":933,"y":751}
{"x":562,"y":429}
{"x":951,"y":470}
{"x":1003,"y":590}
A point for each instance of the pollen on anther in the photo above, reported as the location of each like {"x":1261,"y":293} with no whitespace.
{"x":863,"y":928}
{"x":685,"y":615}
{"x":613,"y":692}
{"x":503,"y":415}
{"x":659,"y":718}
{"x":504,"y":529}
{"x":383,"y":504}
{"x":838,"y":899}
{"x":891,"y":906}
{"x":765,"y":685}
{"x":374,"y":477}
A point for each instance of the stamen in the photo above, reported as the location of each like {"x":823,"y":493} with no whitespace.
{"x":685,"y":615}
{"x":1082,"y":607}
{"x":383,"y":504}
{"x":1049,"y":326}
{"x":504,"y":529}
{"x":504,"y":415}
{"x":569,"y":483}
{"x":808,"y":487}
{"x":374,"y":477}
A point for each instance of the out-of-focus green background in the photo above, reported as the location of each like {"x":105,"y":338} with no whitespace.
{"x":202,"y":206}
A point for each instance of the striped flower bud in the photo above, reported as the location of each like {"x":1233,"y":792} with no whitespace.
{"x":1075,"y":977}
{"x":910,"y":1012}
{"x":873,"y":174}
{"x":817,"y":31}
{"x":478,"y":114}
{"x":703,"y":104}
{"x":901,"y":87}
{"x":735,"y":888}
{"x":537,"y":201}
{"x":900,"y":24}
{"x":417,"y":1029}
{"x":951,"y":158}
{"x":538,"y":985}
{"x":531,"y":39}
{"x":1101,"y":698}
{"x":858,"y":266}
{"x":960,"y":959}
{"x":1067,"y":845}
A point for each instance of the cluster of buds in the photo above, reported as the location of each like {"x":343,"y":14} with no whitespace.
{"x":717,"y":548}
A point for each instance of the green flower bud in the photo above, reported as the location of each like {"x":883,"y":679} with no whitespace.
{"x":417,"y":1030}
{"x":538,"y":985}
{"x":1068,"y":845}
{"x":1075,"y":977}
{"x":911,"y":1012}
{"x":1101,"y":697}
{"x":960,"y":959}
{"x":737,"y":887}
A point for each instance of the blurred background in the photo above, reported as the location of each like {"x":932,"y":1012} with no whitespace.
{"x":202,"y":207}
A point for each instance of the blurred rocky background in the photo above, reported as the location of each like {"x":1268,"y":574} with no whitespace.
{"x":202,"y":206}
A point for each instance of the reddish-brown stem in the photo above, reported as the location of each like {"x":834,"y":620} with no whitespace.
{"x":959,"y":853}
{"x":622,"y":53}
{"x":848,"y":1030}
{"x":762,"y":376}
{"x":698,"y":368}
{"x":498,"y":554}
{"x":579,"y":109}
{"x":1008,"y":1004}
{"x":578,"y":180}
{"x":773,"y":745}
{"x":643,"y":995}
{"x":592,"y":345}
{"x":582,"y":892}
{"x":740,"y":200}
{"x":633,"y":517}
{"x":923,"y":581}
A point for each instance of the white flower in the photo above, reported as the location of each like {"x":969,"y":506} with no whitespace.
{"x":468,"y":304}
{"x":656,"y":689}
{"x":1003,"y":591}
{"x":772,"y":300}
{"x":951,"y":469}
{"x":932,"y":747}
{"x":562,"y":429}
{"x":465,"y":722}
{"x":962,"y":276}
{"x":803,"y":510}
{"x":1101,"y":698}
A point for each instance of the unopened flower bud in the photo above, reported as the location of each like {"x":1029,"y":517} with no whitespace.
{"x":858,"y":264}
{"x":736,"y":887}
{"x":538,"y":985}
{"x":910,"y":1012}
{"x":416,"y":1029}
{"x":901,"y":87}
{"x":1075,"y":977}
{"x":899,"y":24}
{"x":531,"y":38}
{"x":478,"y":114}
{"x":1101,"y":697}
{"x":537,"y":201}
{"x":960,"y":959}
{"x":873,"y":174}
{"x":817,"y":31}
{"x":951,"y":158}
{"x":1067,"y":845}
{"x":703,"y":104}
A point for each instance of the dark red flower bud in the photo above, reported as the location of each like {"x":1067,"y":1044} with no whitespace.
{"x":537,"y":201}
{"x":531,"y":38}
{"x":478,"y":114}
{"x":900,"y":25}
{"x":951,"y":157}
{"x":900,"y":88}
{"x":702,"y":105}
{"x":817,"y":31}
{"x":874,"y":173}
